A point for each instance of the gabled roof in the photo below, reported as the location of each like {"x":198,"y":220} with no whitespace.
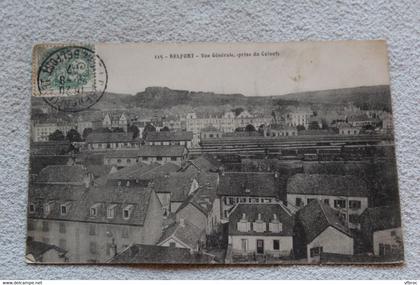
{"x":80,"y":199}
{"x":38,"y":249}
{"x":149,"y":151}
{"x":109,"y":137}
{"x":133,"y":171}
{"x":326,"y":184}
{"x":382,"y":218}
{"x":99,"y":170}
{"x":203,"y":163}
{"x":267,"y":212}
{"x":169,"y":136}
{"x":178,"y":184}
{"x":186,"y":233}
{"x":316,"y":217}
{"x":258,"y":184}
{"x":73,"y":174}
{"x":141,"y":253}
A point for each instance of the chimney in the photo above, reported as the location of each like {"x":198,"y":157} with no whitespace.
{"x":86,"y":180}
{"x":128,"y":183}
{"x":243,"y":216}
{"x":182,"y":222}
{"x":259,"y":216}
{"x":275,"y":217}
{"x":276,"y":174}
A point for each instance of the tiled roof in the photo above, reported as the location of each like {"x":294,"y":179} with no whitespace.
{"x":62,"y":174}
{"x":267,"y":212}
{"x":99,"y":170}
{"x":381,"y":218}
{"x":178,"y":184}
{"x":169,"y":136}
{"x":316,"y":217}
{"x":38,"y":249}
{"x":187,"y":233}
{"x":132,"y":171}
{"x":358,"y":117}
{"x":258,"y":184}
{"x":81,"y":199}
{"x":109,"y":137}
{"x":325,"y":184}
{"x":141,"y":253}
{"x":203,"y":163}
{"x":315,"y":132}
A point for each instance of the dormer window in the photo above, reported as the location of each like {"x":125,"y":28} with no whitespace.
{"x":48,"y":207}
{"x":259,"y":225}
{"x":64,"y":208}
{"x":275,"y":226}
{"x":94,"y":210}
{"x":110,"y":213}
{"x":243,"y":224}
{"x":127,"y":211}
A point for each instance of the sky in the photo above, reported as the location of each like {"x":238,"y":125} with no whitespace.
{"x":279,"y":68}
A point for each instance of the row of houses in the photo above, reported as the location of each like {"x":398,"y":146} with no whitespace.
{"x":263,"y":215}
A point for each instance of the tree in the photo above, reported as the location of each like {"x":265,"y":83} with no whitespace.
{"x":133,"y":129}
{"x":313,"y":125}
{"x":239,"y":129}
{"x":86,"y":132}
{"x":300,"y":128}
{"x":164,"y":129}
{"x":238,"y":110}
{"x":56,"y":136}
{"x":73,"y":136}
{"x":250,"y":128}
{"x":103,"y":130}
{"x":147,"y":129}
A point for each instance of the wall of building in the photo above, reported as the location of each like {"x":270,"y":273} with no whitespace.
{"x":191,"y":214}
{"x":332,"y":241}
{"x":286,"y":244}
{"x":388,"y":237}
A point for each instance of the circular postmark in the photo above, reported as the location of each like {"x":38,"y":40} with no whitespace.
{"x":72,"y":78}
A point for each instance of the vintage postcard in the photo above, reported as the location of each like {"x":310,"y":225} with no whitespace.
{"x":211,"y":153}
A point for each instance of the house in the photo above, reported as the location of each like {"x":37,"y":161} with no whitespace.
{"x":381,"y":228}
{"x":170,"y":138}
{"x":147,"y":154}
{"x":210,"y":132}
{"x":115,"y":120}
{"x":361,"y":120}
{"x":183,"y":234}
{"x":248,"y":187}
{"x":347,"y":194}
{"x":347,"y":129}
{"x":276,"y":130}
{"x":65,"y":175}
{"x":142,"y":253}
{"x":94,"y":223}
{"x":298,"y":116}
{"x":320,"y":229}
{"x":200,"y":207}
{"x":42,"y":252}
{"x":173,"y":189}
{"x":173,"y":123}
{"x":110,"y":141}
{"x":261,"y":229}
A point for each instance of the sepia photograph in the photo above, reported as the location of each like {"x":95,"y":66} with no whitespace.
{"x":213,"y":153}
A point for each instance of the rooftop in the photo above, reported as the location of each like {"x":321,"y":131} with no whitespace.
{"x":149,"y":151}
{"x":141,"y":253}
{"x":72,"y":174}
{"x":267,"y":212}
{"x":325,"y":184}
{"x":109,"y":137}
{"x":382,"y":218}
{"x":169,"y":136}
{"x":258,"y":184}
{"x":185,"y":232}
{"x":316,"y":217}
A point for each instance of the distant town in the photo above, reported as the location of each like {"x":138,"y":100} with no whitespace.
{"x":284,"y":181}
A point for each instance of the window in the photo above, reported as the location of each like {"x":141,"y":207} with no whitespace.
{"x":62,"y":228}
{"x":92,"y":247}
{"x":384,"y":249}
{"x":231,"y":201}
{"x":119,"y":160}
{"x":62,"y":243}
{"x":316,"y":251}
{"x":124,"y":233}
{"x":339,"y":203}
{"x":45,"y":226}
{"x":327,"y":201}
{"x":172,"y":244}
{"x":309,"y":200}
{"x":298,"y":202}
{"x":31,"y":225}
{"x":93,"y":212}
{"x":276,"y":244}
{"x":48,"y":207}
{"x":127,"y":211}
{"x":158,"y":158}
{"x":111,"y":211}
{"x":92,"y":230}
{"x":259,"y":226}
{"x":354,"y":204}
{"x":64,"y":208}
{"x":244,"y":244}
{"x":128,"y":160}
{"x":144,"y":158}
{"x":31,"y":208}
{"x":173,"y":158}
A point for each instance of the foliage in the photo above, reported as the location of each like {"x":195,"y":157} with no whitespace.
{"x":56,"y":136}
{"x":73,"y":136}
